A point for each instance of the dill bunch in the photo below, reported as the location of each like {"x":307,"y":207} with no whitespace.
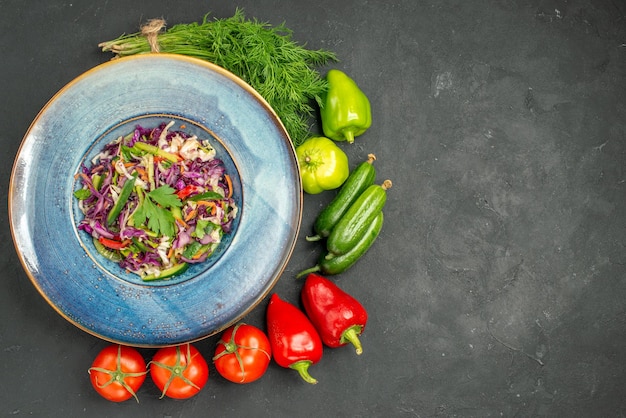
{"x":265,"y":56}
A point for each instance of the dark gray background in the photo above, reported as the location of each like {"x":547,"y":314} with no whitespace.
{"x":497,"y":285}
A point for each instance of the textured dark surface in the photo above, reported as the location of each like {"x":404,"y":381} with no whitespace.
{"x":497,"y":286}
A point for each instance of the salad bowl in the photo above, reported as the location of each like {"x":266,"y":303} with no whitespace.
{"x":95,"y":293}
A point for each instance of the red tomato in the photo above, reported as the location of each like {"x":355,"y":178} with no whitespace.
{"x":118,"y":372}
{"x":180,"y":372}
{"x":242,"y":354}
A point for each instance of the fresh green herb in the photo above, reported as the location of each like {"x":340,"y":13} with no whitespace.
{"x":203,"y":227}
{"x":165,"y":196}
{"x":82,"y":194}
{"x":265,"y":56}
{"x":127,"y":152}
{"x":154,"y":208}
{"x":210,"y":195}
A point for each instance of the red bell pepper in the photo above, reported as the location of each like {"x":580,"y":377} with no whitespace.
{"x":338,"y":317}
{"x":293,"y":339}
{"x":114,"y":244}
{"x":187,"y":191}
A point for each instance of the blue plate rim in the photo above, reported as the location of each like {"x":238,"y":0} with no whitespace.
{"x":292,"y":239}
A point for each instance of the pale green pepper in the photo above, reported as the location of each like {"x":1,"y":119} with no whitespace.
{"x":323,"y":165}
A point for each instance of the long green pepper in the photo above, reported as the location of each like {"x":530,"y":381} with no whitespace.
{"x":127,"y":189}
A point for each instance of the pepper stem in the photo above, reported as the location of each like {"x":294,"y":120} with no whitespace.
{"x":349,"y":135}
{"x":352,"y":335}
{"x":302,"y":367}
{"x":313,"y":269}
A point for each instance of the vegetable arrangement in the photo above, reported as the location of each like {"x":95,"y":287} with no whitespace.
{"x":282,"y":72}
{"x":119,"y":371}
{"x":351,"y":222}
{"x":357,"y":219}
{"x":156,"y":201}
{"x":294,"y":339}
{"x":361,"y":177}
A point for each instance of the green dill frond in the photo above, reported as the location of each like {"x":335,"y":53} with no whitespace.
{"x":264,"y":56}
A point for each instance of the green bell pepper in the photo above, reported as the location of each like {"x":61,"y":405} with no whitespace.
{"x":323,"y":165}
{"x":346,"y":111}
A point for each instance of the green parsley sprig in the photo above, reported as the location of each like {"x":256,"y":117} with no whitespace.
{"x":154,"y":208}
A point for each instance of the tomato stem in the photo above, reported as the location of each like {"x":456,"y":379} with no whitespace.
{"x":177,"y":369}
{"x":231,"y":347}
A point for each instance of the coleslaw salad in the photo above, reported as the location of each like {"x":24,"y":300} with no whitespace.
{"x":156,"y":201}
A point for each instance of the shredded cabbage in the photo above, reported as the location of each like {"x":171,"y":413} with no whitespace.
{"x":180,"y":206}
